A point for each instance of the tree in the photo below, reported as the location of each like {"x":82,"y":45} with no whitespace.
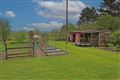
{"x":5,"y":32}
{"x":116,"y":8}
{"x":108,"y":22}
{"x":110,"y":7}
{"x":87,"y":15}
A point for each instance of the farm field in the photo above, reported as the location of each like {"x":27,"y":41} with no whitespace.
{"x":79,"y":64}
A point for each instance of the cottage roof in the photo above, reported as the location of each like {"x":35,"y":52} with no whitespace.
{"x":90,"y":31}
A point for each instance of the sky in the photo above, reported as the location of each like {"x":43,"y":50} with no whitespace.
{"x":44,"y":15}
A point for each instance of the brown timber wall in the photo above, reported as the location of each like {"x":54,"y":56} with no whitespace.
{"x":103,"y":41}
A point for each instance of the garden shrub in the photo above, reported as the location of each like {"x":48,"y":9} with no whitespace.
{"x":114,"y":39}
{"x":113,"y":47}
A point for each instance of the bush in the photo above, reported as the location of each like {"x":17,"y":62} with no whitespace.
{"x":112,"y":47}
{"x":114,"y":39}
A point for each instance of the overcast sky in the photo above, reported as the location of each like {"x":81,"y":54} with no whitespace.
{"x":42,"y":14}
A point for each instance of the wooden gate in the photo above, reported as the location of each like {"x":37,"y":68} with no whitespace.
{"x":44,"y":42}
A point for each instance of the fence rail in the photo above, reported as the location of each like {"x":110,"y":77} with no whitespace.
{"x":19,"y":47}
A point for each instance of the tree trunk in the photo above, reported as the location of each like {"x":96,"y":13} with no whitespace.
{"x":6,"y":54}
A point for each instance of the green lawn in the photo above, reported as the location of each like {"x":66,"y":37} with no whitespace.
{"x":79,"y":64}
{"x":1,"y":47}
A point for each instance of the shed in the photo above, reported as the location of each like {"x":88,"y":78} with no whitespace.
{"x":95,"y":37}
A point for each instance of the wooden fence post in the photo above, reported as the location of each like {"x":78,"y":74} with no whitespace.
{"x":33,"y":48}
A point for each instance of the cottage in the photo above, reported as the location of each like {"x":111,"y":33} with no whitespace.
{"x":93,"y":37}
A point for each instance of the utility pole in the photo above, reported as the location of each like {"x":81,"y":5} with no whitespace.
{"x":66,"y":21}
{"x":66,"y":25}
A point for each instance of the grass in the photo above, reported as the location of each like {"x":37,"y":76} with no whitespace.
{"x":79,"y":64}
{"x":1,"y":47}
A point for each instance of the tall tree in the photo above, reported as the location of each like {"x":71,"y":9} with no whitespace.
{"x":87,"y":15}
{"x":111,"y":7}
{"x":4,"y":29}
{"x":116,"y":6}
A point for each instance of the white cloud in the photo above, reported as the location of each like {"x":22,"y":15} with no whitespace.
{"x":10,"y":14}
{"x":53,"y":25}
{"x":28,"y":29}
{"x":57,"y":9}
